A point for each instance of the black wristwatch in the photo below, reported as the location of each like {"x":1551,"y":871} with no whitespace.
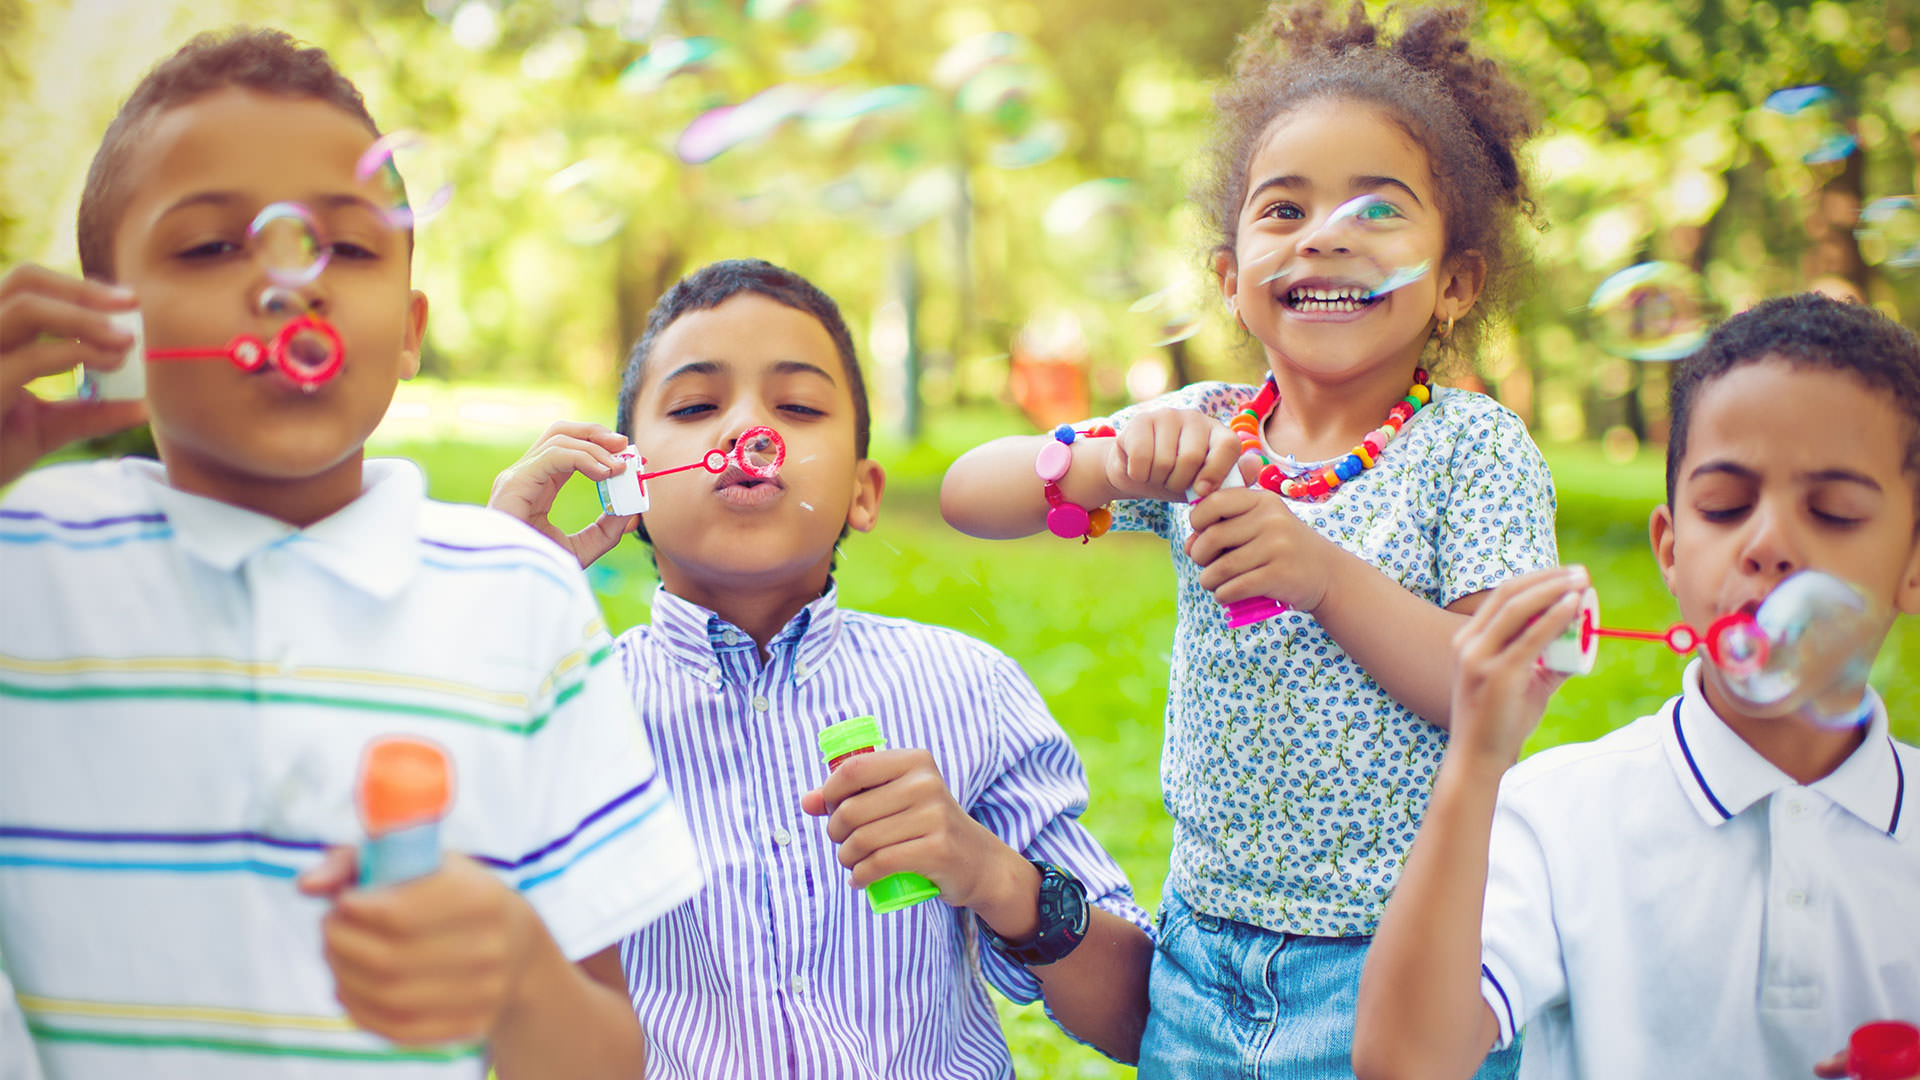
{"x":1062,"y":925}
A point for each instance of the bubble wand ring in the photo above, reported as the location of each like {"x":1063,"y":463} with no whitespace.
{"x":1734,"y":642}
{"x":250,"y":354}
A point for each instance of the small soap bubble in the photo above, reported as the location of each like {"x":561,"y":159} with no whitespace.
{"x":670,"y":57}
{"x":718,"y":130}
{"x":412,"y":175}
{"x":814,"y":46}
{"x":1889,"y":233}
{"x":1007,"y":101}
{"x":280,"y":302}
{"x":890,"y":164}
{"x":760,"y":452}
{"x":973,"y":55}
{"x":1169,"y":316}
{"x":585,"y":204}
{"x":286,"y":241}
{"x":1653,"y":311}
{"x":1097,"y":228}
{"x":1811,"y":124}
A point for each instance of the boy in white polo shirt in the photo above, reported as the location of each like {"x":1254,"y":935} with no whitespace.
{"x":1715,"y":890}
{"x":194,"y":653}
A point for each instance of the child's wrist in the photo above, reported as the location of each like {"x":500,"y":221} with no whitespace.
{"x":1009,"y":902}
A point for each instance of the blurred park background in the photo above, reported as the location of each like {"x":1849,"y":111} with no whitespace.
{"x":996,"y":193}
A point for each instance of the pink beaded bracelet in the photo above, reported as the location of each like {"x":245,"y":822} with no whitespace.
{"x":1065,"y":519}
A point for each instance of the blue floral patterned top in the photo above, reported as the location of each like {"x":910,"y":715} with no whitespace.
{"x":1295,"y":782}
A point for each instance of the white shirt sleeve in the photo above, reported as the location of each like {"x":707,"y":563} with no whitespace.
{"x":1522,"y":971}
{"x":606,"y":850}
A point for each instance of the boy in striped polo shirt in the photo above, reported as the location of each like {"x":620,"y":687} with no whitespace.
{"x":779,"y":968}
{"x":194,"y":653}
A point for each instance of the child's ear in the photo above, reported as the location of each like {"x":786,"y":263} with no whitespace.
{"x":1228,"y":270}
{"x":1462,"y":278}
{"x":416,"y":334}
{"x":869,"y":479}
{"x":1906,"y":599}
{"x":1660,"y":532}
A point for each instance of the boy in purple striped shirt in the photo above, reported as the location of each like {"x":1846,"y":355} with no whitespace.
{"x":779,"y":968}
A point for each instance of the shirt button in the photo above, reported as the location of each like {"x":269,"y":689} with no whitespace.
{"x":760,"y":704}
{"x":1796,"y":898}
{"x":797,"y":984}
{"x":731,"y":637}
{"x":1796,"y":809}
{"x":800,"y":670}
{"x":782,"y":836}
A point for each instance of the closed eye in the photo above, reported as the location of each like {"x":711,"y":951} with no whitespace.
{"x":346,"y":250}
{"x":688,"y":411}
{"x":212,"y":249}
{"x":802,"y":410}
{"x":1839,"y":520}
{"x":1724,"y":514}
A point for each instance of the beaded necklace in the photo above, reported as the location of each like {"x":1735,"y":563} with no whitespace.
{"x":1246,"y":423}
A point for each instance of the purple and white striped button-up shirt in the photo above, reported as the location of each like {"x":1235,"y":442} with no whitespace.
{"x":779,"y":968}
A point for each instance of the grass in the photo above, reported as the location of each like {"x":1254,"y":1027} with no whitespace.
{"x":1093,"y":626}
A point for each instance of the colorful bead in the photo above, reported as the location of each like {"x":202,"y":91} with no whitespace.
{"x":1348,"y":467}
{"x":1420,"y":395}
{"x":1272,"y":478}
{"x":1399,"y":413}
{"x":1365,"y":455}
{"x":1099,"y":520}
{"x":1101,"y":431}
{"x":1065,"y":433}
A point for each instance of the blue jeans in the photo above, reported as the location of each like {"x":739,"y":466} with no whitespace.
{"x":1232,"y":1000}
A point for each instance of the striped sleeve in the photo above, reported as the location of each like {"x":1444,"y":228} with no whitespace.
{"x":605,"y":848}
{"x":1522,"y":972}
{"x":1033,"y":805}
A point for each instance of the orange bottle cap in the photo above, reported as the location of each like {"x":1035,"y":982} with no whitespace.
{"x":403,"y":782}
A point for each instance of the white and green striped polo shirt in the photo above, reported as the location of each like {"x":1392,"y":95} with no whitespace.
{"x":185,"y":690}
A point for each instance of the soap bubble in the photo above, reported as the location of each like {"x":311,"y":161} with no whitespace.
{"x":891,"y":155}
{"x":413,"y":176}
{"x":716,"y":131}
{"x":1889,"y":233}
{"x":1811,"y":124}
{"x":285,"y":240}
{"x":816,"y":47}
{"x":1366,"y":226}
{"x":1007,"y":101}
{"x":970,"y":57}
{"x":1097,"y":228}
{"x":1808,"y":649}
{"x":585,"y":204}
{"x":1653,"y":311}
{"x":670,"y":57}
{"x":1169,"y":315}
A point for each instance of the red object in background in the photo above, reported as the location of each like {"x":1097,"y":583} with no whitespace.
{"x":1886,"y":1050}
{"x":1047,"y":377}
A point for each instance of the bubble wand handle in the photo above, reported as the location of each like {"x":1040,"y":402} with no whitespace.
{"x":404,"y":790}
{"x":703,"y":463}
{"x":849,"y":738}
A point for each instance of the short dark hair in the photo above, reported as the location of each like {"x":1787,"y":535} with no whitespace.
{"x":269,"y":61}
{"x":1466,"y":113}
{"x":716,"y":283}
{"x":1807,"y":330}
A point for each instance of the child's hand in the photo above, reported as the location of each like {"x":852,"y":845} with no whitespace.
{"x":50,"y":323}
{"x":1162,"y":453}
{"x":1249,"y":544}
{"x":528,"y":487}
{"x":434,"y":960}
{"x":1500,"y":688}
{"x":1834,"y":1068}
{"x":891,"y":811}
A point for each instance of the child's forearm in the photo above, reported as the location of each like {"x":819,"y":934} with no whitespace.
{"x":1420,"y":1012}
{"x":569,"y":1021}
{"x":993,"y":493}
{"x":1402,"y":640}
{"x":1099,"y":990}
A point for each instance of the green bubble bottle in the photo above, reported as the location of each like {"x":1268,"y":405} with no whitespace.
{"x":861,"y":735}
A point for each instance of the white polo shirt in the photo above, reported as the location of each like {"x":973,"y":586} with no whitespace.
{"x":185,"y":690}
{"x":1663,"y":901}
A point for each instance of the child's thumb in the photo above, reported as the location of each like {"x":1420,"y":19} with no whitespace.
{"x":333,"y":874}
{"x":814,"y":803}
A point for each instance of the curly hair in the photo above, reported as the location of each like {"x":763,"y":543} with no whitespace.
{"x":1462,"y":109}
{"x":1806,"y":330}
{"x":269,"y":61}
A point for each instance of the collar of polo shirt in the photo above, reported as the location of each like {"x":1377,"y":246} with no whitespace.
{"x":371,"y":544}
{"x":1723,"y":776}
